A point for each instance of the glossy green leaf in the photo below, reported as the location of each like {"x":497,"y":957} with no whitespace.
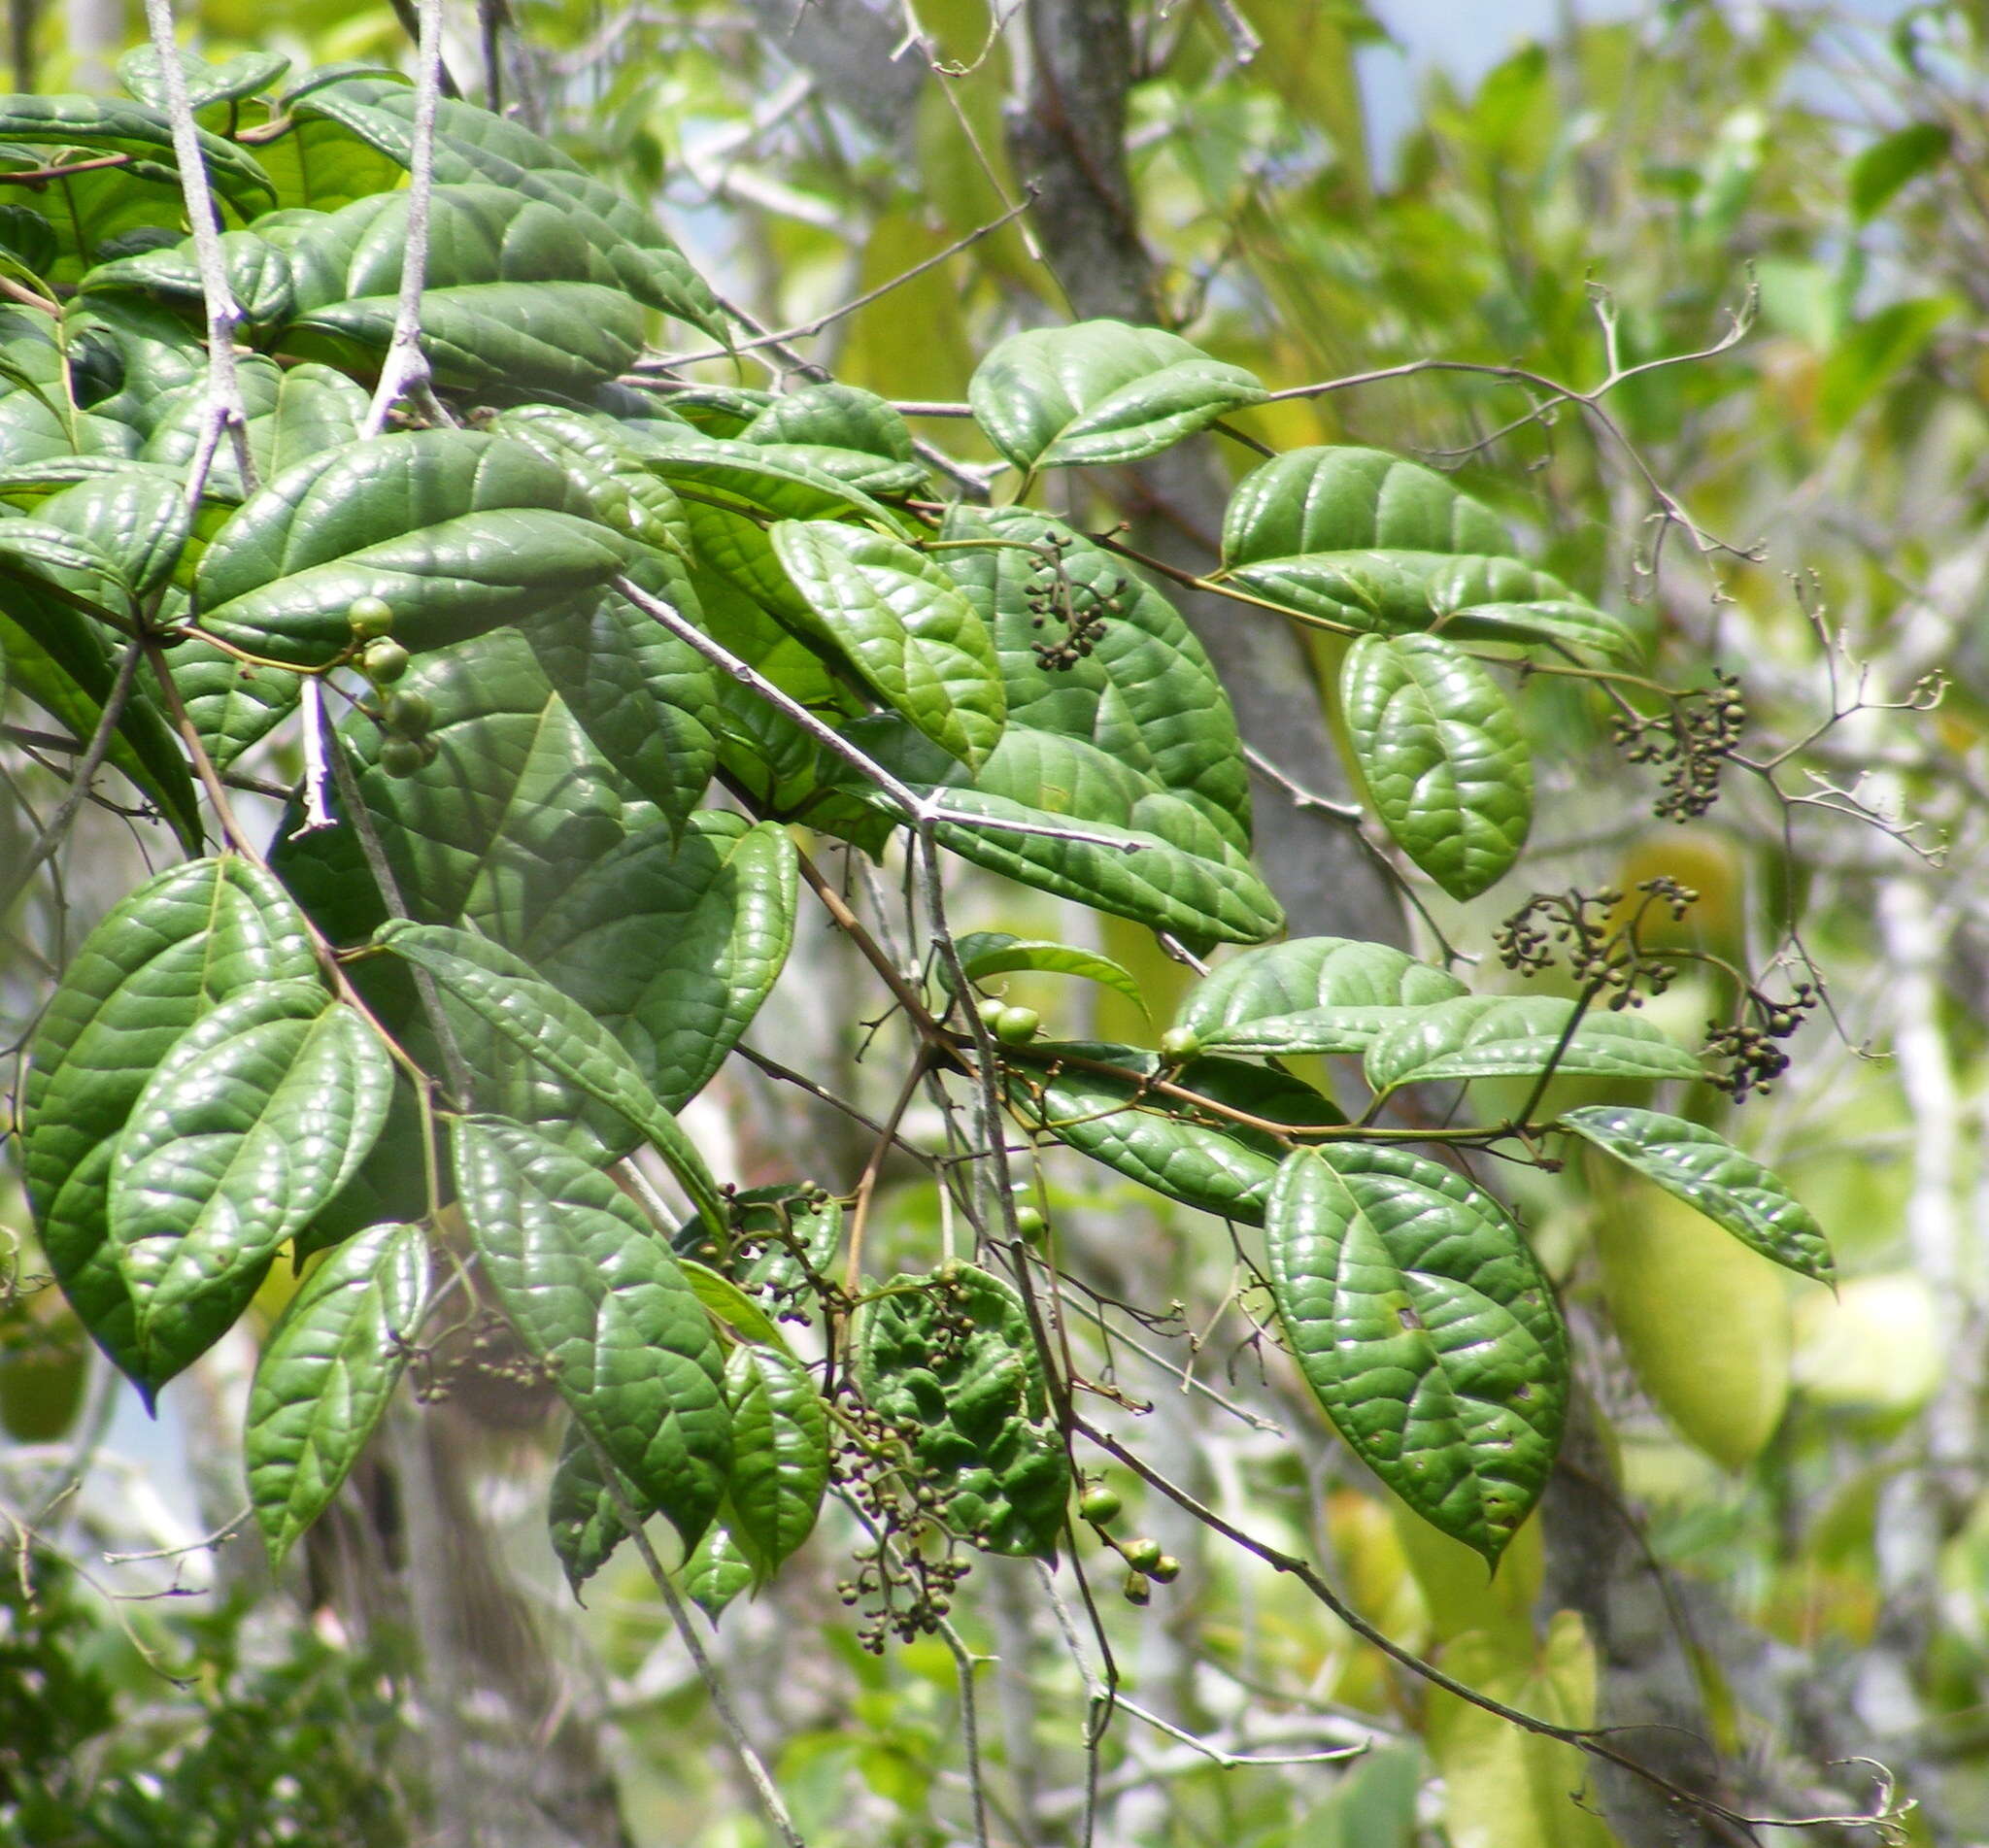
{"x":780,"y":1455}
{"x":542,"y":1025}
{"x":1705,"y":1171}
{"x":715,"y":1573}
{"x":731,"y":1305}
{"x":325,"y":1376}
{"x":1364,"y":538}
{"x":257,"y":1117}
{"x":1517,"y":1036}
{"x":599,"y":1298}
{"x":40,"y":419}
{"x":516,"y":300}
{"x":320,"y":165}
{"x":515,"y":807}
{"x":611,"y":465}
{"x":1197,"y":1157}
{"x":582,"y":1517}
{"x":134,"y":519}
{"x":297,"y":413}
{"x":255,"y":271}
{"x":986,"y":1442}
{"x":1313,"y":994}
{"x":109,"y":125}
{"x":905,"y":627}
{"x":94,"y":212}
{"x":1427,"y":1330}
{"x":1099,"y":392}
{"x":1442,"y":755}
{"x":128,"y":357}
{"x":187,"y":940}
{"x":673,"y":944}
{"x":232,"y":704}
{"x":990,"y":953}
{"x":839,"y":430}
{"x":459,"y":530}
{"x":474,"y":146}
{"x":245,"y":75}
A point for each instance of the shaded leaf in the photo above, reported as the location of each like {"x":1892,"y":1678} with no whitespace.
{"x":990,"y":953}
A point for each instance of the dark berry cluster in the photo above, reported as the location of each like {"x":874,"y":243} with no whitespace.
{"x":1750,"y":1045}
{"x":1079,"y":609}
{"x":1693,"y":741}
{"x":483,"y":1348}
{"x":1575,"y":928}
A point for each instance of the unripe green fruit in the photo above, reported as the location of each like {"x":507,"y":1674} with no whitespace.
{"x":383,"y":662}
{"x":409,"y":714}
{"x":1166,"y":1569}
{"x":1180,"y":1044}
{"x":1016,"y":1026}
{"x":1100,"y":1507}
{"x":428,"y":748}
{"x":1143,"y":1555}
{"x":370,"y":617}
{"x":1030,"y":1224}
{"x":1137,"y":1590}
{"x":400,"y":757}
{"x":991,"y":1008}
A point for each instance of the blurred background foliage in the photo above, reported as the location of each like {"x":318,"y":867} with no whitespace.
{"x":1781,"y":1494}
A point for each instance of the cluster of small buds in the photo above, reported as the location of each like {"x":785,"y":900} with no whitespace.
{"x":1080,"y":610}
{"x":490,"y":1351}
{"x":903,"y":1594}
{"x":1750,"y":1047}
{"x":1692,"y":741}
{"x":1574,"y":926}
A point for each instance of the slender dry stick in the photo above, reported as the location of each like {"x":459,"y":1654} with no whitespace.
{"x":404,"y":373}
{"x":224,"y":411}
{"x":722,"y":1703}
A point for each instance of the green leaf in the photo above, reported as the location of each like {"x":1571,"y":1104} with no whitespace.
{"x":1893,"y":161}
{"x":1705,"y":1171}
{"x":1380,"y":544}
{"x":459,"y":530}
{"x":905,"y":627}
{"x":1200,"y":1158}
{"x":1313,"y":994}
{"x":581,"y":1516}
{"x":255,"y":1119}
{"x":257,"y":276}
{"x":989,"y":953}
{"x":245,"y":75}
{"x":1100,"y":392}
{"x":100,"y":210}
{"x":839,"y":430}
{"x":128,"y":358}
{"x":953,"y":1353}
{"x":1427,"y":1330}
{"x":295,"y":414}
{"x":599,"y":1298}
{"x":107,"y":124}
{"x":731,"y":1305}
{"x":780,"y":1455}
{"x":187,"y":940}
{"x":611,"y":465}
{"x":319,"y":164}
{"x":232,"y":705}
{"x":472,"y":146}
{"x":673,"y":944}
{"x":510,"y":998}
{"x":1875,"y":352}
{"x":325,"y":1376}
{"x":1442,"y":756}
{"x":1516,"y":1037}
{"x":514,"y":809}
{"x":715,"y":1573}
{"x":516,"y":301}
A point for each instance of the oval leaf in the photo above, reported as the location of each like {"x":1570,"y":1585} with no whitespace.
{"x":1518,"y":1036}
{"x":327,"y":1374}
{"x":780,"y":1455}
{"x":1442,"y":756}
{"x":988,"y":952}
{"x":1313,"y":994}
{"x":1705,"y":1171}
{"x":597,"y":1296}
{"x":1425,"y":1327}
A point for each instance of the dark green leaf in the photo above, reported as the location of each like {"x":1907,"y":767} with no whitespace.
{"x":598,"y":1297}
{"x":186,"y":940}
{"x":295,"y":414}
{"x":731,"y":1305}
{"x":852,"y":435}
{"x":1705,"y":1171}
{"x":247,"y":74}
{"x":581,"y":1515}
{"x":257,"y":276}
{"x":107,"y":124}
{"x":1516,"y":1037}
{"x":953,"y":1353}
{"x":1099,"y":392}
{"x":1314,"y":994}
{"x":1442,"y":756}
{"x":459,"y":530}
{"x":257,"y":1117}
{"x":327,"y":1373}
{"x":715,"y":1573}
{"x":990,"y":953}
{"x":1427,"y":1330}
{"x":1893,"y":161}
{"x":780,"y":1455}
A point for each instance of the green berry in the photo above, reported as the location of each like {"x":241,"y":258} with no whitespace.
{"x":991,"y":1008}
{"x":370,"y":617}
{"x":428,"y":748}
{"x":1030,"y":1224}
{"x":1143,"y":1555}
{"x":1137,"y":1590}
{"x":409,"y":714}
{"x":1016,"y":1026}
{"x":1166,"y":1569}
{"x":1101,"y":1506}
{"x":400,"y":757}
{"x":1180,"y":1044}
{"x":383,"y":662}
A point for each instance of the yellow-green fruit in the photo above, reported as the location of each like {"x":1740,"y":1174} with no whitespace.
{"x":400,"y":757}
{"x":383,"y":662}
{"x":991,"y":1008}
{"x":1016,"y":1026}
{"x":369,"y":617}
{"x":1030,"y":1224}
{"x":1137,"y":1590}
{"x":1180,"y":1044}
{"x":1165,"y":1570}
{"x":1704,"y":1321}
{"x":1101,"y":1506}
{"x":42,"y":1381}
{"x":1142,"y":1554}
